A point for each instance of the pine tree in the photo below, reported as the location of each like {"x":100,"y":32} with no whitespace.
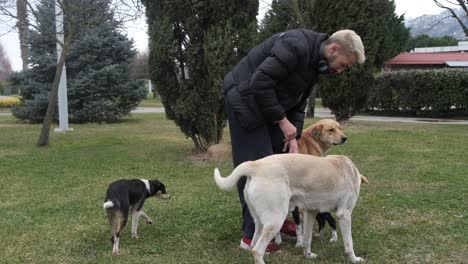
{"x":192,"y":46}
{"x":99,"y":87}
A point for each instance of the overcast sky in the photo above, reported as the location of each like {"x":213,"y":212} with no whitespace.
{"x":137,"y":30}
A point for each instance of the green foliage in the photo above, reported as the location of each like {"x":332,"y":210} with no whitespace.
{"x":427,"y":41}
{"x":384,"y":36}
{"x":192,"y":47}
{"x":343,"y":94}
{"x":434,"y":93}
{"x":98,"y":82}
{"x":285,"y":15}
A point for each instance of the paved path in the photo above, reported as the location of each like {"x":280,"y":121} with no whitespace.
{"x":325,"y":113}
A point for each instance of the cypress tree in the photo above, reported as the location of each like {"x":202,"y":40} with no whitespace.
{"x":383,"y":33}
{"x":192,"y":46}
{"x":384,"y":36}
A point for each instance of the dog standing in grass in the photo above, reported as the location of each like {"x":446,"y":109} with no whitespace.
{"x":277,"y":183}
{"x":125,"y":196}
{"x":316,"y":140}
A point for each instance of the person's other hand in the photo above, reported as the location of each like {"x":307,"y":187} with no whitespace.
{"x":289,"y":131}
{"x":291,"y":146}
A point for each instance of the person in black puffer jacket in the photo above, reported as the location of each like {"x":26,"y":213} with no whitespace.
{"x":266,"y":95}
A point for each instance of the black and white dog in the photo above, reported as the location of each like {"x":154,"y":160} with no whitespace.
{"x":123,"y":196}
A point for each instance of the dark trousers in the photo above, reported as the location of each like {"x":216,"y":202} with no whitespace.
{"x":251,"y":145}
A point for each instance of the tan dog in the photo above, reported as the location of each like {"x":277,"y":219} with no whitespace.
{"x":277,"y":183}
{"x":317,"y":139}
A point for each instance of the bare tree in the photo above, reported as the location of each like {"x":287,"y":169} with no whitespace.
{"x":140,"y":67}
{"x":451,"y":6}
{"x":5,"y":65}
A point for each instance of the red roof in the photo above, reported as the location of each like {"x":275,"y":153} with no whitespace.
{"x":428,"y":58}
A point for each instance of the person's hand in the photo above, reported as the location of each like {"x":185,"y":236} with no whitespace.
{"x":291,"y":146}
{"x":289,"y":131}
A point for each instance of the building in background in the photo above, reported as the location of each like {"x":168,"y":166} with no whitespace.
{"x":430,"y":58}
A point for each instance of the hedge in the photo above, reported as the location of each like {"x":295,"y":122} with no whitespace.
{"x":9,"y":101}
{"x":420,"y":93}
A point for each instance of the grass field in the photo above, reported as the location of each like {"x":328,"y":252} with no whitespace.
{"x":150,"y":101}
{"x":414,"y":210}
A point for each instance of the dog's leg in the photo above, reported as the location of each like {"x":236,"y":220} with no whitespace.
{"x":332,"y":223}
{"x":146,"y":217}
{"x":297,"y":220}
{"x":278,"y":239}
{"x":308,"y":228}
{"x":121,"y":221}
{"x":135,"y":219}
{"x":111,"y":220}
{"x":115,"y":249}
{"x":344,"y":218}
{"x":269,"y":231}
{"x":321,"y":221}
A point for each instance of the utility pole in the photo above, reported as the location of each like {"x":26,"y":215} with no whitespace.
{"x":62,"y":91}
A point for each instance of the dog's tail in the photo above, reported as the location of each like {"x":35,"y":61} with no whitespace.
{"x":109,"y":204}
{"x":227,"y":183}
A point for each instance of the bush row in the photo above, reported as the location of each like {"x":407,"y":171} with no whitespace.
{"x":420,"y":93}
{"x":9,"y":101}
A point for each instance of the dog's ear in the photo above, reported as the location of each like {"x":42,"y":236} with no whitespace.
{"x":364,"y":179}
{"x":316,"y":130}
{"x":158,"y":186}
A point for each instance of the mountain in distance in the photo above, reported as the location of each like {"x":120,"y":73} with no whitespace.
{"x":438,"y":25}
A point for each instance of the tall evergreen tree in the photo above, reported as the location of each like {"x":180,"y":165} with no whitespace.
{"x":192,"y":46}
{"x":382,"y":32}
{"x":287,"y":14}
{"x":99,"y":86}
{"x":384,"y":36}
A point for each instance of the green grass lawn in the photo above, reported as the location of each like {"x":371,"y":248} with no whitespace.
{"x":414,"y":210}
{"x":149,"y":101}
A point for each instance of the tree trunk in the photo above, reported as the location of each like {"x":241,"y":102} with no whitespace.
{"x":311,"y":102}
{"x":23,"y":31}
{"x":45,"y":131}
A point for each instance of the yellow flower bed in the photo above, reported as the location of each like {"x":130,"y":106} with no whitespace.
{"x":9,"y":101}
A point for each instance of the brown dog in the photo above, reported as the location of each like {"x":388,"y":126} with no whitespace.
{"x":317,"y":139}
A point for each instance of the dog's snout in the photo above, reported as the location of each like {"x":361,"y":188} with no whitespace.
{"x":343,"y":139}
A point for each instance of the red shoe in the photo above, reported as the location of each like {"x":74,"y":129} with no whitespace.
{"x":288,"y":228}
{"x":246,"y":242}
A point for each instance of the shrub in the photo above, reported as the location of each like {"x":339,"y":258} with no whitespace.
{"x":420,"y":93}
{"x":9,"y":101}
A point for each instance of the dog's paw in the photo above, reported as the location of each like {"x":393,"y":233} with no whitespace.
{"x":333,"y":239}
{"x":310,"y":255}
{"x":149,"y":222}
{"x":357,"y":260}
{"x":320,"y":234}
{"x":299,"y":244}
{"x":116,"y":252}
{"x":134,"y":236}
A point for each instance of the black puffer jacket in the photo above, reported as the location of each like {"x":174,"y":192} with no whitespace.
{"x":275,"y":78}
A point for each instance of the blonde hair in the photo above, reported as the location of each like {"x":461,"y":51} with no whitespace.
{"x":350,"y":42}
